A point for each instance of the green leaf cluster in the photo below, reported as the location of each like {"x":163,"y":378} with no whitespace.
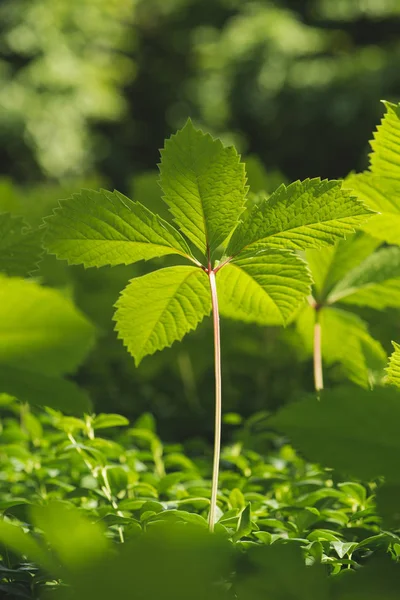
{"x":260,"y":278}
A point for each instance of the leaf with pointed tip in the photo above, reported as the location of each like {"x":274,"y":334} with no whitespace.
{"x":41,"y":330}
{"x":157,"y":309}
{"x":330,"y":264}
{"x":306,"y":214}
{"x":382,"y":195}
{"x":20,"y":247}
{"x":345,"y":340}
{"x":385,"y":156}
{"x":106,"y":228}
{"x":375,"y":282}
{"x":354,"y":431}
{"x":204,"y":185}
{"x":265,"y":289}
{"x":42,"y":390}
{"x":393,"y":368}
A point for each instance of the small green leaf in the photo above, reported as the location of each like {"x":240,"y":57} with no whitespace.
{"x":204,"y":185}
{"x":265,"y":289}
{"x":107,"y":228}
{"x":43,"y":390}
{"x":352,"y":430}
{"x":306,"y":214}
{"x":393,"y":369}
{"x":375,"y":282}
{"x":20,"y":247}
{"x":159,"y":308}
{"x":244,"y":525}
{"x":109,"y":420}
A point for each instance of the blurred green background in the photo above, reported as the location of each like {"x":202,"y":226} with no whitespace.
{"x":89,"y":90}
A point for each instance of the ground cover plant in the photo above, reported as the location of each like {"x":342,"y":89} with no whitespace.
{"x":90,"y":515}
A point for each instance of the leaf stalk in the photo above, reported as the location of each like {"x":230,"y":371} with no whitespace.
{"x":318,"y":372}
{"x":218,"y":399}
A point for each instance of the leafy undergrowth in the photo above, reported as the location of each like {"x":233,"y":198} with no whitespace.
{"x":122,"y":478}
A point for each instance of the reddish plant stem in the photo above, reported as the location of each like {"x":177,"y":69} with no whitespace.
{"x":218,"y":399}
{"x":318,"y":373}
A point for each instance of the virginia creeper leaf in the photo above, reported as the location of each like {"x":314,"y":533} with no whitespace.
{"x":41,"y":330}
{"x":42,"y":390}
{"x":393,"y":369}
{"x":385,"y":157}
{"x":20,"y":247}
{"x":375,"y":282}
{"x":106,"y":228}
{"x":352,"y":430}
{"x":204,"y":185}
{"x":345,"y":340}
{"x":264,"y":289}
{"x":306,"y":214}
{"x":157,"y":309}
{"x":330,"y":264}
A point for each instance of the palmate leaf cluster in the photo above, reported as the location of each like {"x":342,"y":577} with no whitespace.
{"x":260,"y":278}
{"x":357,"y":272}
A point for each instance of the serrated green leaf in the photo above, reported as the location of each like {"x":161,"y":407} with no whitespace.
{"x":345,"y":340}
{"x":375,"y":282}
{"x":42,"y":390}
{"x":265,"y":289}
{"x":106,"y":228}
{"x":382,"y":195}
{"x":393,"y":369}
{"x":330,"y":264}
{"x":20,"y":247}
{"x":352,"y":430}
{"x":41,"y":330}
{"x":306,"y":214}
{"x":385,"y":157}
{"x":157,"y":309}
{"x":204,"y":185}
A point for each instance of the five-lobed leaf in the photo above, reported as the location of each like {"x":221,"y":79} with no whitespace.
{"x":264,"y":289}
{"x":157,"y":309}
{"x":20,"y":247}
{"x":106,"y":228}
{"x":204,"y":185}
{"x":306,"y":214}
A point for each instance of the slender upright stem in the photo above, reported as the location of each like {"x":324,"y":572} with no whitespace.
{"x":218,"y":400}
{"x":318,"y":373}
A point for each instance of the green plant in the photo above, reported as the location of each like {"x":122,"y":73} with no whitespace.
{"x":259,"y":275}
